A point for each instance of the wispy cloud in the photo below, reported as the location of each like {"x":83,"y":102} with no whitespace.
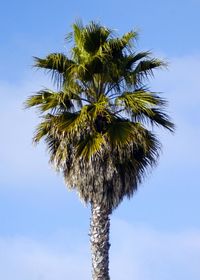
{"x":23,"y":259}
{"x":180,"y":86}
{"x":153,"y":254}
{"x":21,"y":161}
{"x":136,"y":253}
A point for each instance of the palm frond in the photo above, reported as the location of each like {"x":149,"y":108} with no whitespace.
{"x":56,"y":64}
{"x":73,"y":123}
{"x":119,"y":132}
{"x":42,"y":131}
{"x":94,"y":37}
{"x":47,"y":99}
{"x":131,"y":59}
{"x":145,"y":68}
{"x":139,"y":100}
{"x":115,"y":45}
{"x":89,"y":146}
{"x":156,"y":117}
{"x":77,"y":32}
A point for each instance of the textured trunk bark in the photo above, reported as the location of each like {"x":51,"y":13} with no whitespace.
{"x":99,"y":238}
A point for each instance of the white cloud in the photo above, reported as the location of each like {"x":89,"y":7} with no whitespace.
{"x":27,"y":259}
{"x":20,"y":160}
{"x":180,"y":86}
{"x":154,"y":254}
{"x":137,"y":252}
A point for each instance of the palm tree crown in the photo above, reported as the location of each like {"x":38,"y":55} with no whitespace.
{"x":97,"y":123}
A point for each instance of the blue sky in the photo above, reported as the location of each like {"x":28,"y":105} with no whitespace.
{"x":44,"y":227}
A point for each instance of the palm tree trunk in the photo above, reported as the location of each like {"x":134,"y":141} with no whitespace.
{"x":99,"y":238}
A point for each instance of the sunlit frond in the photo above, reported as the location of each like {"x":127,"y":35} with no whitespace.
{"x":42,"y":131}
{"x":47,"y":99}
{"x":139,"y":100}
{"x":90,"y":145}
{"x":57,"y":64}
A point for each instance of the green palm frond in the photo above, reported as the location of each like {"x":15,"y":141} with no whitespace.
{"x":57,"y":64}
{"x":89,"y":146}
{"x":94,"y":37}
{"x":47,"y":99}
{"x":90,"y":38}
{"x":145,"y":68}
{"x":156,"y":117}
{"x":42,"y":131}
{"x":97,"y":123}
{"x":77,"y":33}
{"x":54,"y":61}
{"x":119,"y":132}
{"x":71,"y":122}
{"x":99,"y":107}
{"x":115,"y":45}
{"x":139,"y":100}
{"x":130,"y":60}
{"x":146,"y":107}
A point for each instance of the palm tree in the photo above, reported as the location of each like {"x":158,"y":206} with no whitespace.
{"x":98,"y":122}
